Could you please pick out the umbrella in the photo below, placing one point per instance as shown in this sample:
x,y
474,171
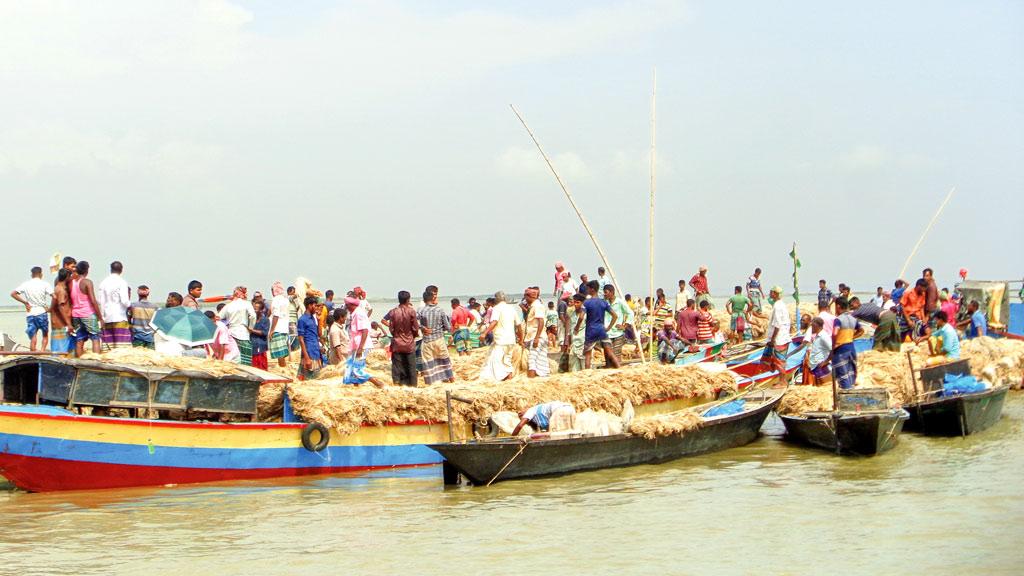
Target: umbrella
x,y
186,326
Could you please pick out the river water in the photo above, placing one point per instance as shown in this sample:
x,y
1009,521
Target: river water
x,y
930,506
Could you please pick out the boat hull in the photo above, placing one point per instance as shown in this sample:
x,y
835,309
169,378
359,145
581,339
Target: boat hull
x,y
44,448
958,415
864,434
481,462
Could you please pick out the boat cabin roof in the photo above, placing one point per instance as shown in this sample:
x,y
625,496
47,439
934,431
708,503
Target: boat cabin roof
x,y
61,381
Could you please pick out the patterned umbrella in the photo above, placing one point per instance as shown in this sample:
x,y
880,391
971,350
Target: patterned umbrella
x,y
187,326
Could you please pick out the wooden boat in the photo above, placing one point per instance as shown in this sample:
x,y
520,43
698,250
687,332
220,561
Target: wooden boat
x,y
491,460
703,354
956,415
959,415
47,443
858,433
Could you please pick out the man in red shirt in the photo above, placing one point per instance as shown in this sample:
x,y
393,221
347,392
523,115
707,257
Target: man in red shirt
x,y
404,326
686,321
461,318
913,304
699,283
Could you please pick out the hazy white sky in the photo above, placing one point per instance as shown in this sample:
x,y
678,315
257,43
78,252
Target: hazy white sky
x,y
372,143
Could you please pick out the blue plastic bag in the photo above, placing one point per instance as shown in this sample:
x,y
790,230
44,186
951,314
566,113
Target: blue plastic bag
x,y
955,384
355,371
727,409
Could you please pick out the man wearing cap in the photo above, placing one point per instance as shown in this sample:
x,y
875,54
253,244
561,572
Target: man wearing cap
x,y
240,317
141,314
778,336
559,279
363,302
699,284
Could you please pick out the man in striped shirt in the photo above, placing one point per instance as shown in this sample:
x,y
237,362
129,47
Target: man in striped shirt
x,y
704,319
140,315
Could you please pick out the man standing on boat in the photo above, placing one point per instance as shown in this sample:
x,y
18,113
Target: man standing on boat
x,y
754,291
240,318
684,295
779,336
597,332
404,325
699,283
844,354
504,322
36,295
536,338
825,296
686,322
434,323
617,331
115,299
141,314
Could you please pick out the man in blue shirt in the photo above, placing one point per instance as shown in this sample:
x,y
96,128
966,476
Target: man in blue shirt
x,y
309,341
950,346
596,332
976,324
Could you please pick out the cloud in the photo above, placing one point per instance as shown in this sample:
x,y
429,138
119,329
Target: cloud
x,y
522,161
66,40
862,158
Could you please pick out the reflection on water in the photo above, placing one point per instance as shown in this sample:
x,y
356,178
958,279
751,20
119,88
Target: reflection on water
x,y
932,505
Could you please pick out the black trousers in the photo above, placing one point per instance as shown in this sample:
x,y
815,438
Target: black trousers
x,y
403,368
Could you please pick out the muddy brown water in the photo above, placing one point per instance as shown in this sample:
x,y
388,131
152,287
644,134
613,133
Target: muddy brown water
x,y
931,506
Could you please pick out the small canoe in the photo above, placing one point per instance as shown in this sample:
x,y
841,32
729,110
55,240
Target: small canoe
x,y
704,354
491,460
959,415
857,433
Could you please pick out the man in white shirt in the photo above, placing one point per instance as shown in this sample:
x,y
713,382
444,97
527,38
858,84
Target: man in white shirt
x,y
504,325
778,336
279,311
240,318
536,339
36,295
879,298
683,295
114,298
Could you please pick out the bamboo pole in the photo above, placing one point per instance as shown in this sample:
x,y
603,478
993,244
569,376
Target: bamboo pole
x,y
650,236
572,202
925,233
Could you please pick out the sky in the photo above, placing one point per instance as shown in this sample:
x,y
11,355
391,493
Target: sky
x,y
372,143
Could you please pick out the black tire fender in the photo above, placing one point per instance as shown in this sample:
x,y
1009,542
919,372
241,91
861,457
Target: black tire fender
x,y
307,437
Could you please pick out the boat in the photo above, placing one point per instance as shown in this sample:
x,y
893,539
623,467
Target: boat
x,y
939,414
702,354
49,441
485,461
858,433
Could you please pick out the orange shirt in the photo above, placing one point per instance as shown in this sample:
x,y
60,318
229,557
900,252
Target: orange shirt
x,y
913,303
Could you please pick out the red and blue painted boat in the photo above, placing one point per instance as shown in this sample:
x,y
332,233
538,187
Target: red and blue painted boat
x,y
47,443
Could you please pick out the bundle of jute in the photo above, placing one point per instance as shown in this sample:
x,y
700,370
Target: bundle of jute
x,y
670,424
145,358
996,360
800,399
345,408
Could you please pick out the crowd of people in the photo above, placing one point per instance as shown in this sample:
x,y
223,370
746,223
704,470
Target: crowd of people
x,y
584,317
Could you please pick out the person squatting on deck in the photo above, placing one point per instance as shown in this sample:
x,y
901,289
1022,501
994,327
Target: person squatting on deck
x,y
551,417
816,369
